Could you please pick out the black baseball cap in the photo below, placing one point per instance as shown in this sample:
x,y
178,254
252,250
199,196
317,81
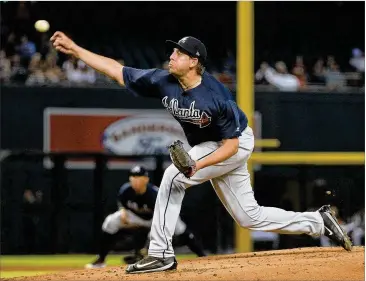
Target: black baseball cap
x,y
191,46
138,171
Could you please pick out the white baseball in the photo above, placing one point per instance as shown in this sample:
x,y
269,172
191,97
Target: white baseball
x,y
42,25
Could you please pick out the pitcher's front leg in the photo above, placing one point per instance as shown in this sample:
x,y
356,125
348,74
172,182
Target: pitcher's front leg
x,y
166,213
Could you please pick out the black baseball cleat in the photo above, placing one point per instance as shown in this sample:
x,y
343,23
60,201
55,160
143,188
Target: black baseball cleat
x,y
152,264
333,230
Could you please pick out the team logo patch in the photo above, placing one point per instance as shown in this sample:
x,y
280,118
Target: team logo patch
x,y
190,115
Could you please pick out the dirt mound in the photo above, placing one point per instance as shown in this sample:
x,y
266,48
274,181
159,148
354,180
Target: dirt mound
x,y
295,264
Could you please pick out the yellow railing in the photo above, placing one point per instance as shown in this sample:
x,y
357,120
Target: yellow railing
x,y
308,158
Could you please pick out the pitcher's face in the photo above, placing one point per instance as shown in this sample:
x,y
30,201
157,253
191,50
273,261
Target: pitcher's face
x,y
181,63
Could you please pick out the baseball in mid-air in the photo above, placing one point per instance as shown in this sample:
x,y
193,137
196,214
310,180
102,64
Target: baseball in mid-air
x,y
42,25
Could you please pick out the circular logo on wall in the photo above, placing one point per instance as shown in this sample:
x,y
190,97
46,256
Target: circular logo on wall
x,y
142,135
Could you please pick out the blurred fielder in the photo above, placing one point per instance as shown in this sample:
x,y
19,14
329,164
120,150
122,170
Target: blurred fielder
x,y
136,201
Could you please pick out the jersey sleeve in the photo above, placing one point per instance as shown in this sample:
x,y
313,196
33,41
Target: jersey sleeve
x,y
228,121
141,82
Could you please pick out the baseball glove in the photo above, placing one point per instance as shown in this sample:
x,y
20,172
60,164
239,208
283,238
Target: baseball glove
x,y
181,159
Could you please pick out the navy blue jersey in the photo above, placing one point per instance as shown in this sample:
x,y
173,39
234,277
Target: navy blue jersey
x,y
140,204
207,112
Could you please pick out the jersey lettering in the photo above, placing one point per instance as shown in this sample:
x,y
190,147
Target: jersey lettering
x,y
134,206
191,114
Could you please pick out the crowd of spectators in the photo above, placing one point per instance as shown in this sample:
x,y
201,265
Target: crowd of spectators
x,y
324,72
22,63
27,58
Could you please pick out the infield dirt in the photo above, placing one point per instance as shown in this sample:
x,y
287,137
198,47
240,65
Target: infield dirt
x,y
295,264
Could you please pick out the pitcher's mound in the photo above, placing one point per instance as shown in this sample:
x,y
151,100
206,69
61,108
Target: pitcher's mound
x,y
295,264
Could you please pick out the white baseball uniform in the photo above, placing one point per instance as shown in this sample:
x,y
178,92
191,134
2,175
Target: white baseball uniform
x,y
231,181
208,114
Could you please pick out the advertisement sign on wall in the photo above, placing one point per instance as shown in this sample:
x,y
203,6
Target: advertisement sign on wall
x,y
119,131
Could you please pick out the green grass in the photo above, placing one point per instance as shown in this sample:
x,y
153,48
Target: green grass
x,y
12,274
63,260
44,261
54,260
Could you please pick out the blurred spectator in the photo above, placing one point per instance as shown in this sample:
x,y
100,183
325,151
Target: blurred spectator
x,y
227,77
53,72
299,71
356,227
78,72
72,72
10,45
334,79
35,62
280,78
5,67
36,75
299,62
26,49
358,60
87,74
228,74
18,72
319,71
330,61
301,76
69,66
